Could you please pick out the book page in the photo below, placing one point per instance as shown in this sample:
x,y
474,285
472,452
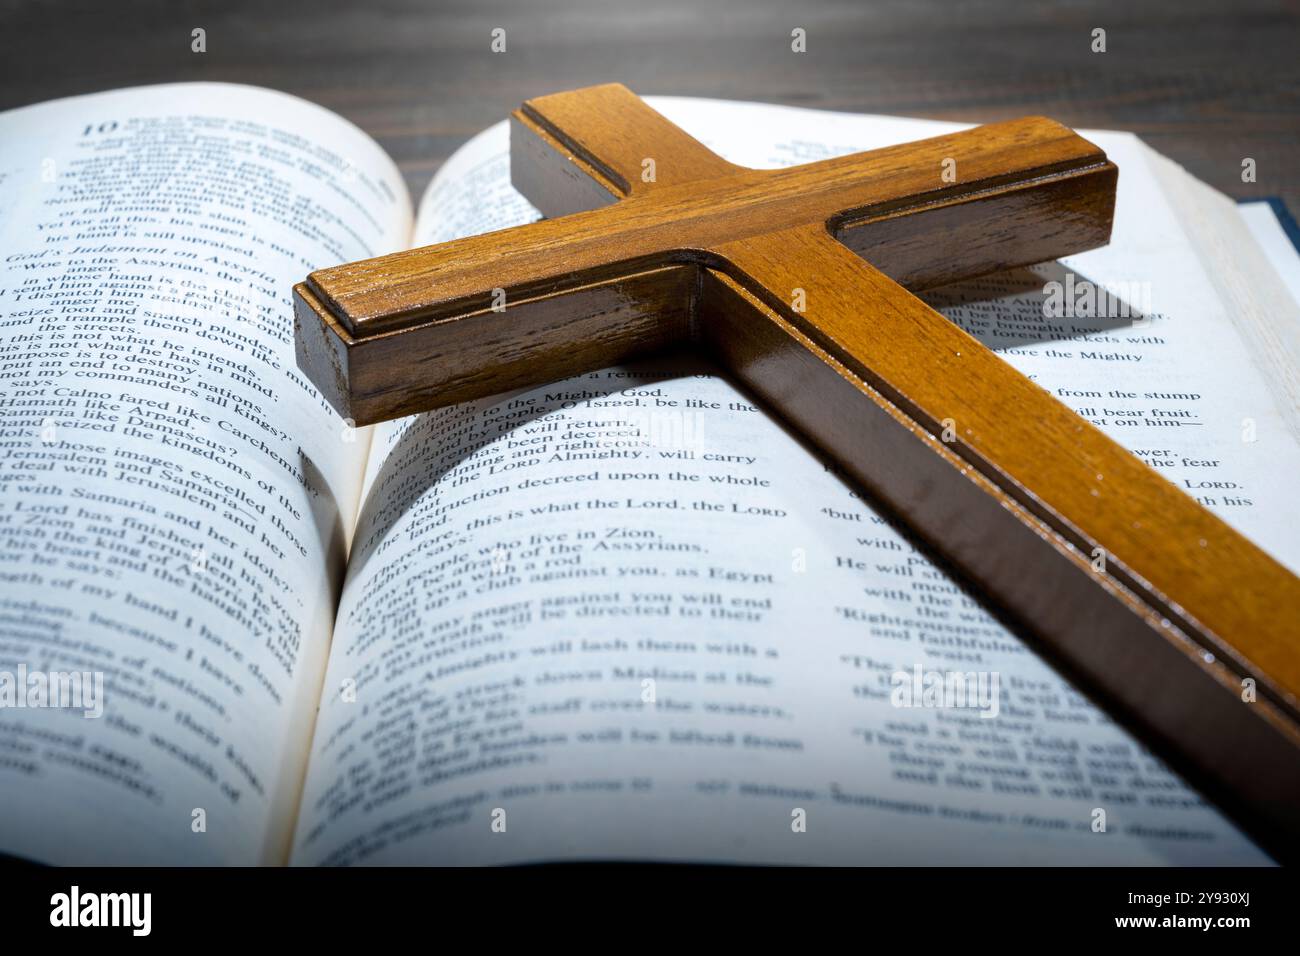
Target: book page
x,y
174,496
1262,221
630,616
1258,294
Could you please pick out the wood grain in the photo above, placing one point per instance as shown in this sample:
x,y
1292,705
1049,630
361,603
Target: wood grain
x,y
759,267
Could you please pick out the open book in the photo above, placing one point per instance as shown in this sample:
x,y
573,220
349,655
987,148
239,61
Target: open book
x,y
625,616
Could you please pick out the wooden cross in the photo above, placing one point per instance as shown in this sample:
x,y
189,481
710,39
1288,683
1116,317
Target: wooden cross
x,y
799,282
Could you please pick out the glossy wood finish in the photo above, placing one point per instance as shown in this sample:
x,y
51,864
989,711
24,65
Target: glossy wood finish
x,y
760,268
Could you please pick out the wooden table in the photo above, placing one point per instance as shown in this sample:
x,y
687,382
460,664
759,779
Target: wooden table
x,y
1203,81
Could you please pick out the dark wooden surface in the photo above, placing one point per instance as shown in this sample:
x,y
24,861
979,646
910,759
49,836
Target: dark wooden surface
x,y
1207,82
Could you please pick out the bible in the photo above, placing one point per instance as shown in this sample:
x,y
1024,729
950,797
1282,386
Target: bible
x,y
624,616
